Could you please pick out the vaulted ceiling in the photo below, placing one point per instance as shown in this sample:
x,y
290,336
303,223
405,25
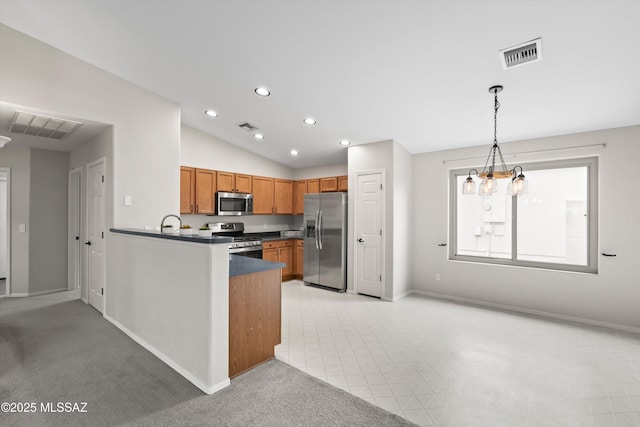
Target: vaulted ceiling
x,y
414,71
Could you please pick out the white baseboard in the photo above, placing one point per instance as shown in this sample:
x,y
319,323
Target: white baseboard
x,y
35,294
399,297
616,326
208,389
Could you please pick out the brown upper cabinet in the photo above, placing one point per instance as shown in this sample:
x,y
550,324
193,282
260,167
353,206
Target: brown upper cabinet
x,y
197,190
283,197
271,196
343,183
313,186
187,190
263,191
233,182
205,191
329,184
299,190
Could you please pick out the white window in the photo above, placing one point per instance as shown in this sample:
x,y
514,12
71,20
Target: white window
x,y
553,225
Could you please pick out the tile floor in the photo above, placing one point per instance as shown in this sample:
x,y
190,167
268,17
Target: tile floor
x,y
443,363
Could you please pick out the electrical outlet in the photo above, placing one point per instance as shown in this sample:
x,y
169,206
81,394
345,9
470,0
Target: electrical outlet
x,y
437,276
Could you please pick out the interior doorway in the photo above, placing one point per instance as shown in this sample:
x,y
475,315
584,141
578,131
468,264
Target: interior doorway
x,y
5,232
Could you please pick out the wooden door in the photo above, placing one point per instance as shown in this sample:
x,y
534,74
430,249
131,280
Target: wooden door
x,y
299,190
243,183
283,197
286,255
205,191
270,254
313,186
226,182
187,190
329,184
263,193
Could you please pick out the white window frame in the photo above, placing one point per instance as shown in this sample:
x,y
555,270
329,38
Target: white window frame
x,y
591,163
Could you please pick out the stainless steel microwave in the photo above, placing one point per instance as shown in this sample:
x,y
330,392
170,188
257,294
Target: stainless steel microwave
x,y
234,203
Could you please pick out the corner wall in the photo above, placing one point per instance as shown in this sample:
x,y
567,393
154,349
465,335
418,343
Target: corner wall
x,y
18,160
146,126
48,217
609,297
395,161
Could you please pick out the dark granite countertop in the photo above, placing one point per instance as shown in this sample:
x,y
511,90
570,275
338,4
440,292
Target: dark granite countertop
x,y
239,265
175,236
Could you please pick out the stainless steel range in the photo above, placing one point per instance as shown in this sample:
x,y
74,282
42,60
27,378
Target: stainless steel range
x,y
249,246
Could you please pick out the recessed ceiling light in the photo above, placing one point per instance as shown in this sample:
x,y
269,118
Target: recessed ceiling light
x,y
294,152
344,142
262,91
211,113
258,136
310,121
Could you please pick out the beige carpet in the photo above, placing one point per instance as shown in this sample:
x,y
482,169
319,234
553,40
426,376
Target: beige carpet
x,y
64,351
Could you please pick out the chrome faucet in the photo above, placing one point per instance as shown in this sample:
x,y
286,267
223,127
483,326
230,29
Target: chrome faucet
x,y
167,216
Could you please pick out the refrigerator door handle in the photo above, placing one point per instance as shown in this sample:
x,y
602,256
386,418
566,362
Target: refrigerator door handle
x,y
317,229
321,232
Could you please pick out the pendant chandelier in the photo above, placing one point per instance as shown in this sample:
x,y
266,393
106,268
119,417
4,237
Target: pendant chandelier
x,y
489,173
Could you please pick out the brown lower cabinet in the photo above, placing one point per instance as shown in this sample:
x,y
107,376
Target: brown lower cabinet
x,y
281,251
254,319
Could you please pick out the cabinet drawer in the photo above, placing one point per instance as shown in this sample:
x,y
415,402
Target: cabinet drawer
x,y
285,243
300,243
269,245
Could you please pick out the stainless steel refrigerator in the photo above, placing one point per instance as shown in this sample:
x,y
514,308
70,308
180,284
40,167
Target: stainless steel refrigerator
x,y
325,240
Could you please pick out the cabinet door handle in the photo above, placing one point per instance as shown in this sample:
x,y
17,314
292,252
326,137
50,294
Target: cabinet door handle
x,y
197,209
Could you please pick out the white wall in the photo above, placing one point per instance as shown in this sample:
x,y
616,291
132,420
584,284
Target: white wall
x,y
200,150
321,171
145,125
402,220
48,216
18,159
609,297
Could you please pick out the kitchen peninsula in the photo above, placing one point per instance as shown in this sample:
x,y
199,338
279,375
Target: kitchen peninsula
x,y
174,299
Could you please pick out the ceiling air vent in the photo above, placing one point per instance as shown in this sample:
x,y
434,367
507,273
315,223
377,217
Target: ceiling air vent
x,y
44,126
523,53
247,126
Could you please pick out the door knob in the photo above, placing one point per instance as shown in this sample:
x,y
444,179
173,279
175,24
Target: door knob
x,y
360,241
88,243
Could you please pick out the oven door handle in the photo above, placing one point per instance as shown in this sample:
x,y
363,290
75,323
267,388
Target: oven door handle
x,y
245,249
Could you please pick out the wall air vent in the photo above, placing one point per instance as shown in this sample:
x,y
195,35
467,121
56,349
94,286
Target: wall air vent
x,y
523,53
247,126
43,126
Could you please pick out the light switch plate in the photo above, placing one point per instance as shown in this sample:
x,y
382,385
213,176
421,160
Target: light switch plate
x,y
22,228
127,200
